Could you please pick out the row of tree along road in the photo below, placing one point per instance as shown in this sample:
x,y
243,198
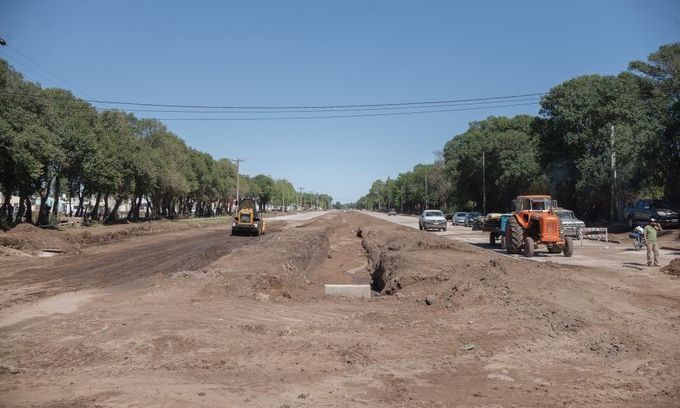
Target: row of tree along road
x,y
599,142
54,144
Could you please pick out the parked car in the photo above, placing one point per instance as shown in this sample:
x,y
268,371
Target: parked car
x,y
471,217
392,212
570,224
432,219
458,218
665,213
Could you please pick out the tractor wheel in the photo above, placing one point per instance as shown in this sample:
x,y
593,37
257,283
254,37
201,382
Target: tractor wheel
x,y
503,246
528,247
554,249
492,239
568,246
514,236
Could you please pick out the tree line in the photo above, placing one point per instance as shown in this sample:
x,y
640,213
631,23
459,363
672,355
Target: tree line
x,y
53,143
599,142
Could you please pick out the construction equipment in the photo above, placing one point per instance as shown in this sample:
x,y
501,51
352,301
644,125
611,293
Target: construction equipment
x,y
495,224
533,223
248,219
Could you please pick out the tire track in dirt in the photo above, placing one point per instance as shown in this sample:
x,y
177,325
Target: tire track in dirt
x,y
120,262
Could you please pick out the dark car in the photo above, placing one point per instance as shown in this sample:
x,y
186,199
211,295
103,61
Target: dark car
x,y
471,217
664,212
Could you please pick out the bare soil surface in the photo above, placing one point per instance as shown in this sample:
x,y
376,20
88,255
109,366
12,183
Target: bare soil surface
x,y
199,318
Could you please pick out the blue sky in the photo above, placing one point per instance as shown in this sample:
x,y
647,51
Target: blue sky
x,y
283,53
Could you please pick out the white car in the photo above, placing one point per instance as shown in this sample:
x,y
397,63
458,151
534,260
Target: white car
x,y
432,219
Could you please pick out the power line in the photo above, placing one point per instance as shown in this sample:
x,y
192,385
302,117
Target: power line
x,y
412,104
348,116
45,69
488,102
38,75
533,99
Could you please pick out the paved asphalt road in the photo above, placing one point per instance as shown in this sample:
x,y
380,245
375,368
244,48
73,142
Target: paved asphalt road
x,y
586,252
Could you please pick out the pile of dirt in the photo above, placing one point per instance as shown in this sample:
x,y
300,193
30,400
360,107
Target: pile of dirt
x,y
429,270
106,234
416,263
272,266
31,239
672,268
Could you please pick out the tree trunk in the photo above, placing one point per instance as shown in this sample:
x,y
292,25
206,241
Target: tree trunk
x,y
148,205
7,211
43,213
113,215
106,206
131,211
57,190
139,205
95,211
81,197
29,208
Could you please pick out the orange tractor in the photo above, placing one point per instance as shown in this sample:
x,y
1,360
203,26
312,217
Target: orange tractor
x,y
533,223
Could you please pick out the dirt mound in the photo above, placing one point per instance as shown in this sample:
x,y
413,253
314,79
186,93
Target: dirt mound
x,y
271,266
29,238
405,260
672,268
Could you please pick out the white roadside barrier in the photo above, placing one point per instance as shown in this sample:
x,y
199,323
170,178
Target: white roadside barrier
x,y
362,291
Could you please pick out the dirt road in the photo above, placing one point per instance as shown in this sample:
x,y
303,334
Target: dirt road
x,y
243,322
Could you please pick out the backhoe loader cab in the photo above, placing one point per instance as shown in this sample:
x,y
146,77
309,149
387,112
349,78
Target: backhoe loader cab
x,y
248,219
533,223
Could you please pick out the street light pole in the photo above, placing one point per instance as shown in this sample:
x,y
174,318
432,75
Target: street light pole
x,y
612,210
238,162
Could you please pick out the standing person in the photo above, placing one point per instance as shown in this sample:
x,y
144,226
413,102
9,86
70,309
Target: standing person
x,y
650,241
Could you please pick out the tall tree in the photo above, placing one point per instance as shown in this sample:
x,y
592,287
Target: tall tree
x,y
660,86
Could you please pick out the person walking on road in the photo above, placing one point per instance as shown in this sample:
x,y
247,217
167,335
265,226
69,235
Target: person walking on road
x,y
650,241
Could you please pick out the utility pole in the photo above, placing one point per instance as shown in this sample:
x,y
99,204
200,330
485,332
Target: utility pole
x,y
302,197
483,184
612,211
238,162
425,193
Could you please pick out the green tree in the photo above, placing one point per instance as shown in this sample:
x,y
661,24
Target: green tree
x,y
660,87
576,140
498,153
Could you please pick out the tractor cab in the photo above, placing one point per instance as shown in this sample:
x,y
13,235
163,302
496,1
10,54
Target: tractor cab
x,y
533,203
526,207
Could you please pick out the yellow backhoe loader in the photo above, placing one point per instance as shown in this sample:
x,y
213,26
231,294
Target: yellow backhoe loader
x,y
248,219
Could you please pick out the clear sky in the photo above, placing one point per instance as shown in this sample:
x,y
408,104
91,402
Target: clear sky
x,y
291,53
